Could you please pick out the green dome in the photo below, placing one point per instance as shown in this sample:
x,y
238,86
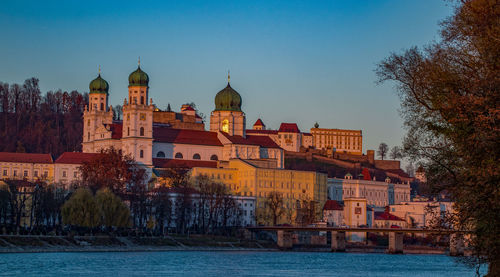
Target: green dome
x,y
228,99
138,78
99,85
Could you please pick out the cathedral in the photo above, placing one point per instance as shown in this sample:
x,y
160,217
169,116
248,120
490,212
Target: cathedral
x,y
157,138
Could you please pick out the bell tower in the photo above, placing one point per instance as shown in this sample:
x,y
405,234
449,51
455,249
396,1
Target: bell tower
x,y
137,130
228,116
97,113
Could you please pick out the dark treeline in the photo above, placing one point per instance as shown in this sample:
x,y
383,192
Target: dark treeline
x,y
35,123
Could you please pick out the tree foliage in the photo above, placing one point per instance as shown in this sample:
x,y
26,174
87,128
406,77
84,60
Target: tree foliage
x,y
382,150
113,212
81,209
450,100
35,123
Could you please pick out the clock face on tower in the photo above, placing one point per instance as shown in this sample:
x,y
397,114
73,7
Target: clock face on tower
x,y
225,126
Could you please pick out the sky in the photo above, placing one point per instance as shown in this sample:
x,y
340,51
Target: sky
x,y
291,61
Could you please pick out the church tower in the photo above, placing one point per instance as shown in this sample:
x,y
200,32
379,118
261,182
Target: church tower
x,y
227,116
96,114
137,130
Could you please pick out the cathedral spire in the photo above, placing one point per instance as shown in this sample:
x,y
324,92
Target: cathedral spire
x,y
99,70
228,77
139,62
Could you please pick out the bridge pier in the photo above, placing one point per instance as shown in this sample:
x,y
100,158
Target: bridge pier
x,y
338,241
457,246
395,243
285,240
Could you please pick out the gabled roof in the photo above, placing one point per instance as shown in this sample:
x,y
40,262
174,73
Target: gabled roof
x,y
183,136
270,132
289,128
259,123
178,163
25,157
75,157
332,205
386,216
262,141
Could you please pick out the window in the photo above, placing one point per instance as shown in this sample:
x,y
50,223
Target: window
x,y
128,131
102,106
45,173
64,174
5,172
15,173
178,155
225,126
75,174
35,173
142,131
160,154
141,154
214,158
88,136
142,100
25,173
88,122
196,156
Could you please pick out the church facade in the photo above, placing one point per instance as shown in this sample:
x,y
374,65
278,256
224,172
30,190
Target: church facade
x,y
152,136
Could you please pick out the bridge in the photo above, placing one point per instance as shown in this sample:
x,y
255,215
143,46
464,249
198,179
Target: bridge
x,y
338,236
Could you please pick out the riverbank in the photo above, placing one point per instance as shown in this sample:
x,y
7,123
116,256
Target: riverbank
x,y
40,244
35,244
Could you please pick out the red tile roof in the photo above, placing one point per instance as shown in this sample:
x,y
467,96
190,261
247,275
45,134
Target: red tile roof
x,y
387,216
187,108
270,132
262,141
116,130
182,136
399,172
25,157
259,123
289,128
177,163
307,134
75,157
332,205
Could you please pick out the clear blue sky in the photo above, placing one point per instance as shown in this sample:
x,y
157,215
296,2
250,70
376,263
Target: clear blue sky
x,y
291,61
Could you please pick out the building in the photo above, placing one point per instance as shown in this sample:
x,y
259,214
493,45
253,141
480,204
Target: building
x,y
341,141
251,178
288,136
421,214
376,193
147,132
333,213
26,166
388,220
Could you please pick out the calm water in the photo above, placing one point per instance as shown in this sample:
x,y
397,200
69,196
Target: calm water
x,y
222,263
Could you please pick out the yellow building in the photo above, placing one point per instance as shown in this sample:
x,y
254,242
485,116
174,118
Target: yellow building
x,y
252,178
343,141
26,166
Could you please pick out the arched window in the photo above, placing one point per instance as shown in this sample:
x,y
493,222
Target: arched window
x,y
141,154
128,131
142,131
88,136
214,158
102,106
196,156
142,100
178,155
160,154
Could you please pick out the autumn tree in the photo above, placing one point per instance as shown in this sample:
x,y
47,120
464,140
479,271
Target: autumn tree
x,y
178,179
382,150
450,99
113,170
275,206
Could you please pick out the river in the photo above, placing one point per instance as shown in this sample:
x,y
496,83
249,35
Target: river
x,y
228,263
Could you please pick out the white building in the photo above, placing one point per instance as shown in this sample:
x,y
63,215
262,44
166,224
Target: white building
x,y
376,193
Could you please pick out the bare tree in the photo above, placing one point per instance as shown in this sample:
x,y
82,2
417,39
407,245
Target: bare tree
x,y
396,153
274,204
382,150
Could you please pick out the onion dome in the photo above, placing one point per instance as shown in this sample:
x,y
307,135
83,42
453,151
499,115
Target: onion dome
x,y
99,85
138,78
